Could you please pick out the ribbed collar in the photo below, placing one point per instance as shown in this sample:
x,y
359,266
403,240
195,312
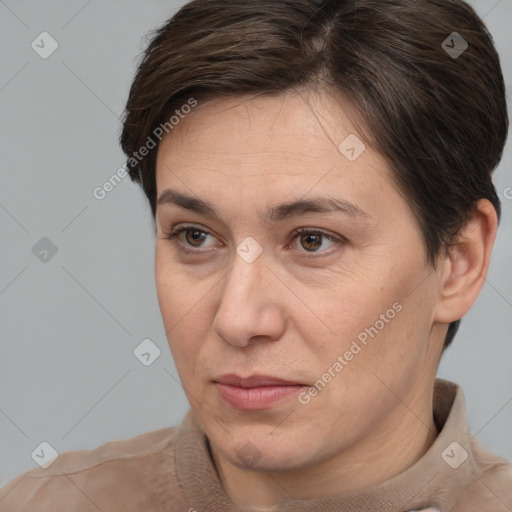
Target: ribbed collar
x,y
430,482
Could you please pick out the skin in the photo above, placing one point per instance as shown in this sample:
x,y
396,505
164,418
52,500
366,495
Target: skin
x,y
288,316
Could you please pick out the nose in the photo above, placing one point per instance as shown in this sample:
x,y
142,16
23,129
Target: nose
x,y
249,307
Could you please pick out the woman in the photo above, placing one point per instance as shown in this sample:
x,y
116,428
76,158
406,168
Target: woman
x,y
319,175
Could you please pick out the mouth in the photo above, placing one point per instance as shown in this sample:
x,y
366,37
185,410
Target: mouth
x,y
255,392
255,381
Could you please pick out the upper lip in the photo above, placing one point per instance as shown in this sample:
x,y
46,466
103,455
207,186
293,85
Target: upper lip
x,y
254,381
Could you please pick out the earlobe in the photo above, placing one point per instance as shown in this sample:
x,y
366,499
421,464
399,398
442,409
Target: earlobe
x,y
466,264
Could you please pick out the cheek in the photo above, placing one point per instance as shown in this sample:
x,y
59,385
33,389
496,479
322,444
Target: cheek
x,y
180,292
183,306
167,286
356,302
393,342
374,317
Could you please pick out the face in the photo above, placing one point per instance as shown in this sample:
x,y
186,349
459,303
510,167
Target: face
x,y
338,300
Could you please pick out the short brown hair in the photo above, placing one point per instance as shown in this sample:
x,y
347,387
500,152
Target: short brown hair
x,y
439,118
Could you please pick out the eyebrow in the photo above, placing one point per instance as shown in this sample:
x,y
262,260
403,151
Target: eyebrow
x,y
320,204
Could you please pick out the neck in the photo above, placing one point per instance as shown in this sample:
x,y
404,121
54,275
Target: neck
x,y
392,447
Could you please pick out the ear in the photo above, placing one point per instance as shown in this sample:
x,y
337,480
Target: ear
x,y
465,267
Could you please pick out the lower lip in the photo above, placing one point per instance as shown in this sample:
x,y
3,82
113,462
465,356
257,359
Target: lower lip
x,y
251,399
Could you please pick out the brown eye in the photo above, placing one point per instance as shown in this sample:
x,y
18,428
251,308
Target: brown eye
x,y
311,240
194,237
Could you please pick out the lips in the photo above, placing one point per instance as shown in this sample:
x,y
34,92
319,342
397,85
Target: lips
x,y
254,381
255,392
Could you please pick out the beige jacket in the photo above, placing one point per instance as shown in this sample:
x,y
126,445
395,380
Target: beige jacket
x,y
171,470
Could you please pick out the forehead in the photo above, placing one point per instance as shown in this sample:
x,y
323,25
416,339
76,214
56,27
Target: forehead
x,y
250,131
284,147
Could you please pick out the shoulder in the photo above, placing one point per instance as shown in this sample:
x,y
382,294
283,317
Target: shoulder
x,y
126,473
491,488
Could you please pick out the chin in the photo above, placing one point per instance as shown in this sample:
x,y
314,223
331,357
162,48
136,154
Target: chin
x,y
259,453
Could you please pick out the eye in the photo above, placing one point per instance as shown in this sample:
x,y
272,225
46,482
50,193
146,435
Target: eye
x,y
311,240
194,237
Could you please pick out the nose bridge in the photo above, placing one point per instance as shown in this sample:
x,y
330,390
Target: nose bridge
x,y
248,268
247,308
241,288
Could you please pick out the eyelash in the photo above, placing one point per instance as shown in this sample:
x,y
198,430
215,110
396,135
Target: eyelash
x,y
173,238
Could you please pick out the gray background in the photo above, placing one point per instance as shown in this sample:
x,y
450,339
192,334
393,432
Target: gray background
x,y
69,326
